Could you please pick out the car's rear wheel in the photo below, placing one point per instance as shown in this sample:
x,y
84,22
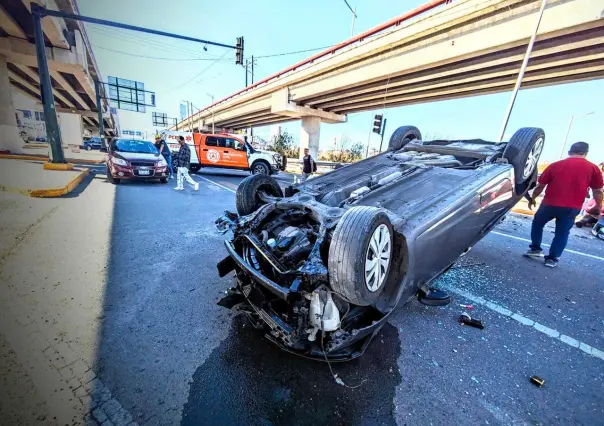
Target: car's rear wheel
x,y
360,255
110,177
402,136
247,198
523,152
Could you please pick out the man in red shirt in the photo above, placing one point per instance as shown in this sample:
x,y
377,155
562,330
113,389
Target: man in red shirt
x,y
567,182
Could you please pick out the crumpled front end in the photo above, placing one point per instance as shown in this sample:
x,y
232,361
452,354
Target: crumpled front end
x,y
279,256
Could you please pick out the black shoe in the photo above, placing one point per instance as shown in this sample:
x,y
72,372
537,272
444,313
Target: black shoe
x,y
534,254
550,263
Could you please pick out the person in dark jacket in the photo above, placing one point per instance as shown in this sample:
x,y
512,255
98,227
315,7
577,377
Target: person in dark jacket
x,y
183,160
308,165
164,150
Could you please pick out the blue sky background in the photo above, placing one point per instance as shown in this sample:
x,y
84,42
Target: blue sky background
x,y
271,27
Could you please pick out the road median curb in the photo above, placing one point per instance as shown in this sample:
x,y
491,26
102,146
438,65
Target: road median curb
x,y
44,158
48,192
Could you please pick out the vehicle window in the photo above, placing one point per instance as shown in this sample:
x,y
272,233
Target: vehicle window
x,y
211,141
127,145
223,143
238,145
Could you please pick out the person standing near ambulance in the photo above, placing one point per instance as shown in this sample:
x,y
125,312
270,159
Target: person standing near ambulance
x,y
164,150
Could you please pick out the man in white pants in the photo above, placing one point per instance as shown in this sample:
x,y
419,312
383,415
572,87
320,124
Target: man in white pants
x,y
183,159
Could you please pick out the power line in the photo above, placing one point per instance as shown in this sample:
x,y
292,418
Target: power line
x,y
293,53
123,35
154,57
197,75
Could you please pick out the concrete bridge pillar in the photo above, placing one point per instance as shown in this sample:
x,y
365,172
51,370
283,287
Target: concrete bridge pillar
x,y
9,132
309,136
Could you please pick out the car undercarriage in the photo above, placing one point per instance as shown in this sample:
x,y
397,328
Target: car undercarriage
x,y
320,267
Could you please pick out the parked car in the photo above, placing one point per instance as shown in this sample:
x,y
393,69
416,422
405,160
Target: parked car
x,y
135,159
227,152
95,142
321,266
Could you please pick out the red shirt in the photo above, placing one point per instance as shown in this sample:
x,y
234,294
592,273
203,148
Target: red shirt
x,y
568,180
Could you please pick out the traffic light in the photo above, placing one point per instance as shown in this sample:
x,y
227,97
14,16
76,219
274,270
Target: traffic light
x,y
377,124
239,51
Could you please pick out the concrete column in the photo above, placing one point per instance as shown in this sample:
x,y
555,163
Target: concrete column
x,y
72,129
309,136
9,132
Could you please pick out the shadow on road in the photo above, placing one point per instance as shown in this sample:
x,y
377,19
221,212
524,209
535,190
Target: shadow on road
x,y
248,380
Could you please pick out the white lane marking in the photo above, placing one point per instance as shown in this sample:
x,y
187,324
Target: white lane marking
x,y
547,245
554,334
216,183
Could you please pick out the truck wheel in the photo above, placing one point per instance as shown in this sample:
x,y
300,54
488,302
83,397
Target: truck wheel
x,y
194,168
360,255
247,200
402,136
260,168
523,152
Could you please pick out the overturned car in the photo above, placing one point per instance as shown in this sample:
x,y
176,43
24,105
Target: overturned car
x,y
321,266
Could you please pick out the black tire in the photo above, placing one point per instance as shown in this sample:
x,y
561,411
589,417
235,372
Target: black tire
x,y
111,179
528,141
88,148
164,180
261,168
348,254
194,168
402,136
247,200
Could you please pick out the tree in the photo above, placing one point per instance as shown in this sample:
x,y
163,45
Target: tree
x,y
284,144
344,152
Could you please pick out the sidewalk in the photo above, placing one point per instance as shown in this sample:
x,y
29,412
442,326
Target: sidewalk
x,y
29,178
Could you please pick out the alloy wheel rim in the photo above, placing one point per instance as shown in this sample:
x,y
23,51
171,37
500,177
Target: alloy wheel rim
x,y
377,258
259,170
533,158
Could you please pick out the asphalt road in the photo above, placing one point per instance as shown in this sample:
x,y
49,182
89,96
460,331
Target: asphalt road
x,y
146,319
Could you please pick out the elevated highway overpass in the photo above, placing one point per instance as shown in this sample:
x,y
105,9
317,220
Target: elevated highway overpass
x,y
436,52
71,61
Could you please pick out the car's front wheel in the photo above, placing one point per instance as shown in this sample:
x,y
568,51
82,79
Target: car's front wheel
x,y
261,168
110,177
360,255
247,199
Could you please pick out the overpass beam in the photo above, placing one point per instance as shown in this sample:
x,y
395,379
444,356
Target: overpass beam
x,y
9,132
281,105
309,136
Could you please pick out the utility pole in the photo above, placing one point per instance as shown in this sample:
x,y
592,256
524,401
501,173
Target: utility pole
x,y
245,66
48,101
525,61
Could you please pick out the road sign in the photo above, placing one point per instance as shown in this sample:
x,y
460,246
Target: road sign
x,y
129,95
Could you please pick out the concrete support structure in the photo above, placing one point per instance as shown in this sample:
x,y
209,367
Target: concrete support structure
x,y
310,134
71,128
9,132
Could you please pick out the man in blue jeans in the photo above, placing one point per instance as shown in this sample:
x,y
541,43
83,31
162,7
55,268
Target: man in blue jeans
x,y
566,183
164,150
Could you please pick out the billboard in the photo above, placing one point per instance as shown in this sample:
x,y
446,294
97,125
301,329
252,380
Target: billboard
x,y
129,95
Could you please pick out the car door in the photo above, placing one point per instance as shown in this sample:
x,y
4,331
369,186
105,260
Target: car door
x,y
210,152
233,153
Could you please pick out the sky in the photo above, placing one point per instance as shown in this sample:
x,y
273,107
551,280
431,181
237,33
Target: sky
x,y
185,71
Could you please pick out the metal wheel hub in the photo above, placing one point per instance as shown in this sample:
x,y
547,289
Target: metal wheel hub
x,y
259,169
533,159
377,258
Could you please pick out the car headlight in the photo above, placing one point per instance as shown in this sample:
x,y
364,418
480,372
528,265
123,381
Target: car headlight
x,y
162,163
119,161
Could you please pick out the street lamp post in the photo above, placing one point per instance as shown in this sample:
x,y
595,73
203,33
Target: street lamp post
x,y
570,123
212,97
